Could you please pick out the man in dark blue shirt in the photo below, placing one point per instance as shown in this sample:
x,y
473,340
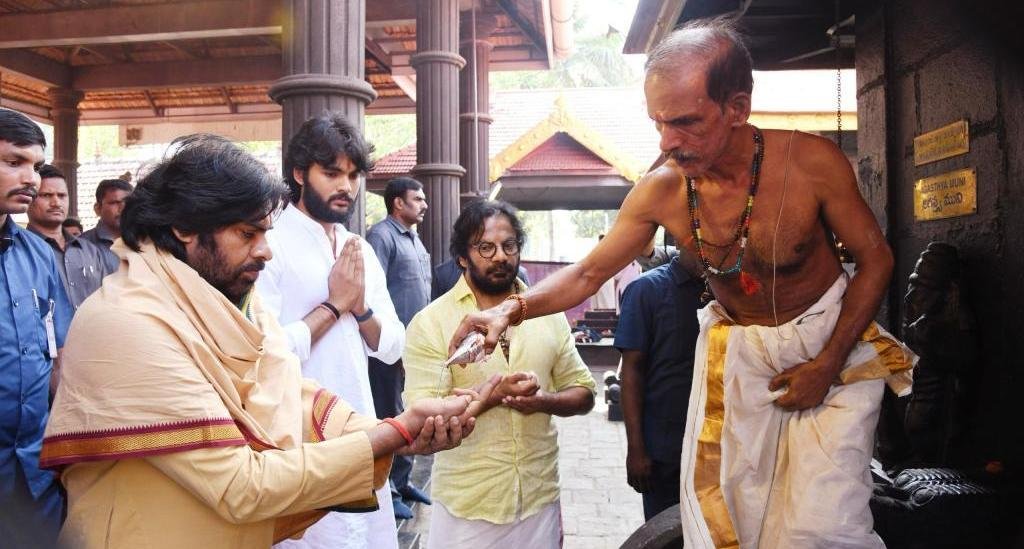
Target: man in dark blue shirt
x,y
657,333
34,317
82,265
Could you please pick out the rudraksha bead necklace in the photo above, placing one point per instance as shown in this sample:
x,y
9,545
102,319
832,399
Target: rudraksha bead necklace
x,y
742,233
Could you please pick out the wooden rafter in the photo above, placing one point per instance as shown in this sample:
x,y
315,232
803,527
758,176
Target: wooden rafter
x,y
180,49
152,104
377,52
528,29
232,107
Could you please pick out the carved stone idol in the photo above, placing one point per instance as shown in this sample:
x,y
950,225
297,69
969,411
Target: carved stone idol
x,y
940,328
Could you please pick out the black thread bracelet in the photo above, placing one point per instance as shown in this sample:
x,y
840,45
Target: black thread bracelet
x,y
334,310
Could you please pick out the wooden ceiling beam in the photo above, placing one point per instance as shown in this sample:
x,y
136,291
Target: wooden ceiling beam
x,y
374,50
524,24
118,24
94,51
36,67
173,74
396,10
180,49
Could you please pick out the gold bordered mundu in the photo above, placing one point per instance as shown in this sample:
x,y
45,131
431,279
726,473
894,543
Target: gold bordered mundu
x,y
945,195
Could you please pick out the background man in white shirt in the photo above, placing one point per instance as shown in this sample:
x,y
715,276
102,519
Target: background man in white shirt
x,y
330,294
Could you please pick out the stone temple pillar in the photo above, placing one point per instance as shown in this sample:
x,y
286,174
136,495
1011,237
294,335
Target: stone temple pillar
x,y
65,114
474,104
324,49
437,65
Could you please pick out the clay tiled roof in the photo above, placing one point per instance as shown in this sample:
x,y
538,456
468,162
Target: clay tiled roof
x,y
562,153
617,115
396,163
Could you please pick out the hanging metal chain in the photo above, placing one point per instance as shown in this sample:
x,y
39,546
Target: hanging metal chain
x,y
837,43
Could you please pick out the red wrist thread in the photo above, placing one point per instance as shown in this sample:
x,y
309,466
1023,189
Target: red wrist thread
x,y
400,428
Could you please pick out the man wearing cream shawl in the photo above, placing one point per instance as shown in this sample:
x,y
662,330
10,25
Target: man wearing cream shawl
x,y
181,420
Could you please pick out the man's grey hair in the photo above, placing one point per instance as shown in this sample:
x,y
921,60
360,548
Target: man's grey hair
x,y
719,44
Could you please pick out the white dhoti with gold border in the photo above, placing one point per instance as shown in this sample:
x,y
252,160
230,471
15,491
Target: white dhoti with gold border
x,y
754,475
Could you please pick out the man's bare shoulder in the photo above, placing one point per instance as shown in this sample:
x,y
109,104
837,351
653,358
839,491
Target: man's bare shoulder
x,y
656,184
812,153
665,176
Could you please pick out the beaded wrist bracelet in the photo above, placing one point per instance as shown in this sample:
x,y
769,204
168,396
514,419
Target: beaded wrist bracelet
x,y
522,309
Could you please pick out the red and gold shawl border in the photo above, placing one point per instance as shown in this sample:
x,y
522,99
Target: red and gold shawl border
x,y
132,442
323,404
254,442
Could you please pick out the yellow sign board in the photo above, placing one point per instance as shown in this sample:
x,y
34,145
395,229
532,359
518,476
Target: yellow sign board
x,y
950,194
944,142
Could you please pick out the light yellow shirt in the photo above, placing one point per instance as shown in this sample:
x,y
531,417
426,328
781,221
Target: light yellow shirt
x,y
508,468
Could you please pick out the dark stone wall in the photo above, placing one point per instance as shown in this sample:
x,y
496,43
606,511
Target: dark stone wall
x,y
923,64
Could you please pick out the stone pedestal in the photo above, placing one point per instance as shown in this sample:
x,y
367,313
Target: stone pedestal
x,y
323,49
437,65
65,114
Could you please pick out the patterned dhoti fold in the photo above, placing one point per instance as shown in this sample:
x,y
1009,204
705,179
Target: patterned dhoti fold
x,y
754,475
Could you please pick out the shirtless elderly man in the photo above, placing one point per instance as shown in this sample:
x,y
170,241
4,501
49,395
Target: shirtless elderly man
x,y
789,368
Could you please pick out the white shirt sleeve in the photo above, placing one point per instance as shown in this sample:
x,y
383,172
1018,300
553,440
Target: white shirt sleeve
x,y
300,340
392,331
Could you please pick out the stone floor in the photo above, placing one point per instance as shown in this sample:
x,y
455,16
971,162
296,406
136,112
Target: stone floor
x,y
599,510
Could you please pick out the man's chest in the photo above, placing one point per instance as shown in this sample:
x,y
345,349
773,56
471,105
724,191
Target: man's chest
x,y
780,231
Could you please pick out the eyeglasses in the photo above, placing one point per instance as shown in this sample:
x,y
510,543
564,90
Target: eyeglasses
x,y
488,249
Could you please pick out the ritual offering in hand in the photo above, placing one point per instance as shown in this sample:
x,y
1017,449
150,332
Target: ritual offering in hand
x,y
471,349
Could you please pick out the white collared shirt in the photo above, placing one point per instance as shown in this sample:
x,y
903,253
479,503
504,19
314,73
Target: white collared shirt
x,y
293,283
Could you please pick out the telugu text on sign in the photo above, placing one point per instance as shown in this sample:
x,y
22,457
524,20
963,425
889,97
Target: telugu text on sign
x,y
942,143
950,194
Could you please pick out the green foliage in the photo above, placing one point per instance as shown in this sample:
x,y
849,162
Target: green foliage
x,y
597,59
390,132
375,211
593,223
99,142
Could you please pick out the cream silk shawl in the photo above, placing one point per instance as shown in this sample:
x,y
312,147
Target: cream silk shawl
x,y
122,407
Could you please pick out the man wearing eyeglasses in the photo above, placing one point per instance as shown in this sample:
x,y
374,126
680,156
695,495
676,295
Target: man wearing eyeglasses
x,y
500,489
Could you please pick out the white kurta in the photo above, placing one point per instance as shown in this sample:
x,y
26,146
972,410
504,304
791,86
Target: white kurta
x,y
291,286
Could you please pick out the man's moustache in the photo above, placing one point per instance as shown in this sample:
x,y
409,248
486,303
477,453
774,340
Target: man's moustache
x,y
255,267
340,196
681,156
27,191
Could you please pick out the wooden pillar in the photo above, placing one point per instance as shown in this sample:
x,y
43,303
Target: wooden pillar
x,y
324,50
474,103
65,114
437,63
